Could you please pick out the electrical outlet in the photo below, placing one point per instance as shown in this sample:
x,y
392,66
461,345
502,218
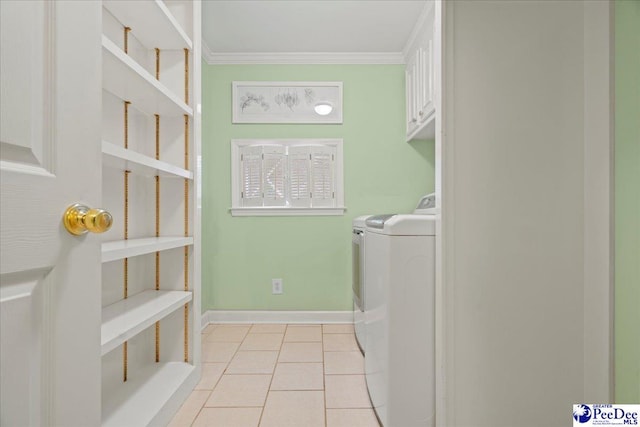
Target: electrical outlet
x,y
276,286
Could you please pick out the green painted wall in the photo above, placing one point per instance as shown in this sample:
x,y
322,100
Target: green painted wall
x,y
311,254
627,201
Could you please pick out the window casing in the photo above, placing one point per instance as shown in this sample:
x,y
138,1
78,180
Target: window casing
x,y
287,177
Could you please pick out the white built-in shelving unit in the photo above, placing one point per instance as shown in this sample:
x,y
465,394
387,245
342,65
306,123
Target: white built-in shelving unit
x,y
150,258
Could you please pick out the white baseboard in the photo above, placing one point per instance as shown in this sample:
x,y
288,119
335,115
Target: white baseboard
x,y
251,316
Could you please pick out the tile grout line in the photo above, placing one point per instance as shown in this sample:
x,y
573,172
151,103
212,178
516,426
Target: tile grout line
x,y
202,407
273,374
324,383
229,363
223,373
277,361
208,395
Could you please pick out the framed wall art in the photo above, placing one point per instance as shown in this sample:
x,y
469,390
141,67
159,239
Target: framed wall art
x,y
287,102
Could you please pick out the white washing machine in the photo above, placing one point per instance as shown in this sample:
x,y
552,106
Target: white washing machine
x,y
400,318
358,250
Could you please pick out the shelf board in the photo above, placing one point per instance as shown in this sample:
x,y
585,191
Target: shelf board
x,y
121,249
151,23
144,394
426,130
120,158
128,317
125,78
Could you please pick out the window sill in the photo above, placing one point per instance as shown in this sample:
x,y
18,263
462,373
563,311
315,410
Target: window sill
x,y
278,211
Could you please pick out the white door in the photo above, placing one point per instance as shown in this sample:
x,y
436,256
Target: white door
x,y
49,280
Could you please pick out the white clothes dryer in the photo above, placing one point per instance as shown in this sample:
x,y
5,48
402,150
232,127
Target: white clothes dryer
x,y
400,317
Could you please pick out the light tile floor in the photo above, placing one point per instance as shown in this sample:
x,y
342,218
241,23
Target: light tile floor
x,y
279,376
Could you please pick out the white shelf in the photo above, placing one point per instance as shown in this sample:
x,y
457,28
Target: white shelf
x,y
128,317
120,158
121,249
144,394
151,23
129,81
426,130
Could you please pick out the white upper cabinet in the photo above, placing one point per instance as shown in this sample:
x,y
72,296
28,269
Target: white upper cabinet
x,y
420,78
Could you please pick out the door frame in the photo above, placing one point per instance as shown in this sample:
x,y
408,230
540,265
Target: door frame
x,y
598,226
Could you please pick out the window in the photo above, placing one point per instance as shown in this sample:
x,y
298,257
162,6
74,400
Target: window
x,y
287,177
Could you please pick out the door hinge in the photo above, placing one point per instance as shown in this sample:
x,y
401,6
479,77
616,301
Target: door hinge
x,y
241,157
242,194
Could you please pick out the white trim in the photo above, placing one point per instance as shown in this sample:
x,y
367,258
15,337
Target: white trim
x,y
196,196
278,211
418,28
207,54
204,319
443,35
598,202
261,316
310,58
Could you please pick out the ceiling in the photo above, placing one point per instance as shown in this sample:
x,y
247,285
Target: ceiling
x,y
308,26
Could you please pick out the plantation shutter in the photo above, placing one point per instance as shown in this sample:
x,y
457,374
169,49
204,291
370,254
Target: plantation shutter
x,y
323,176
287,174
274,170
299,179
251,170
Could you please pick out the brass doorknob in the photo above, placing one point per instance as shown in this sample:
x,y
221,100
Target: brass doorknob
x,y
79,219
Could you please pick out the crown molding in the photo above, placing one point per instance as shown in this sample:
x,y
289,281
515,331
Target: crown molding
x,y
311,58
417,28
207,54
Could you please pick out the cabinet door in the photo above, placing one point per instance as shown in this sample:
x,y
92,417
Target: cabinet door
x,y
426,107
411,86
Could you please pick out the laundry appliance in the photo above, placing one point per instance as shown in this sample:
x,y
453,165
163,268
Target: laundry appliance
x,y
400,319
358,249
